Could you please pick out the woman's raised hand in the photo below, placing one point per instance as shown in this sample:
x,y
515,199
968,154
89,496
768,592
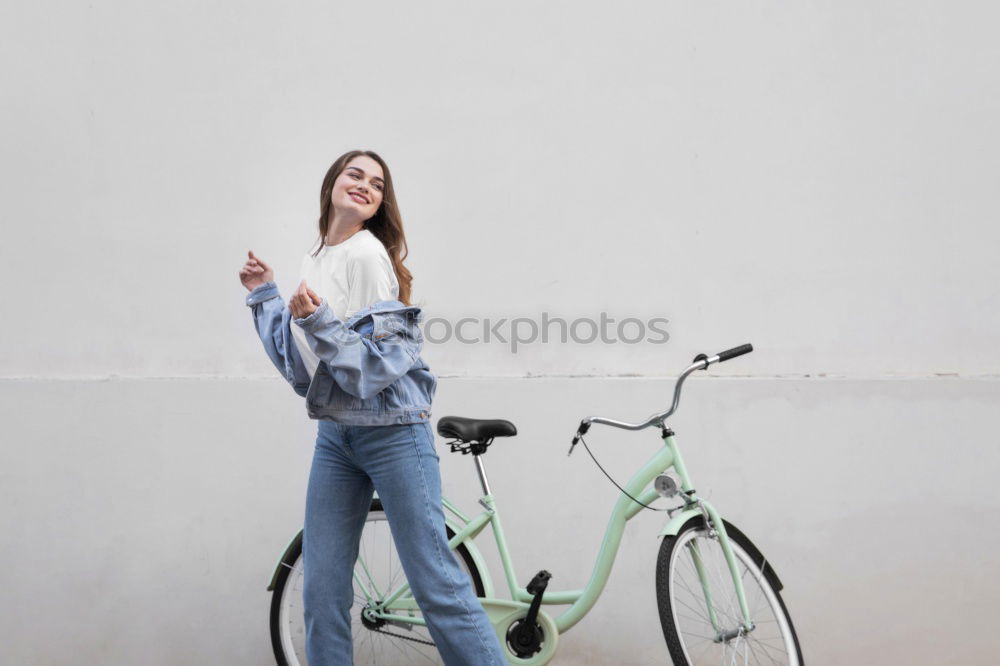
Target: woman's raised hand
x,y
255,272
304,301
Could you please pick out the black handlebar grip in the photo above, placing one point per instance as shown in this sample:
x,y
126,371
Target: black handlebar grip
x,y
734,352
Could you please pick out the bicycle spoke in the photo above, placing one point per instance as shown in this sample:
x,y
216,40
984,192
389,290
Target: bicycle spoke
x,y
764,645
702,616
735,649
379,572
399,649
768,648
708,647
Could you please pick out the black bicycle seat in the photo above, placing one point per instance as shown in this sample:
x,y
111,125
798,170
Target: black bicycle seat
x,y
474,430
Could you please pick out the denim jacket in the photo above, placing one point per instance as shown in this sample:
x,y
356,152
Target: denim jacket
x,y
370,370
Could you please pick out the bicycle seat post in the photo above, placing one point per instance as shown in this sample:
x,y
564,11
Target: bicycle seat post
x,y
482,474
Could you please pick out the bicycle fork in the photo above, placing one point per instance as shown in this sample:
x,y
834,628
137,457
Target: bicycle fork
x,y
717,530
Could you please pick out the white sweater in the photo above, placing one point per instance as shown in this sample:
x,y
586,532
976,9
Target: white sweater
x,y
349,276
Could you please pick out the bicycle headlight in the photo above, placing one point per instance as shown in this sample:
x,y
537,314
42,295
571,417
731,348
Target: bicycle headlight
x,y
665,486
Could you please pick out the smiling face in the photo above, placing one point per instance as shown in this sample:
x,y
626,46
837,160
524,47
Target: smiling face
x,y
359,187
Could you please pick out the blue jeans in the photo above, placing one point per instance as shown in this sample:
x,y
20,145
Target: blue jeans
x,y
398,461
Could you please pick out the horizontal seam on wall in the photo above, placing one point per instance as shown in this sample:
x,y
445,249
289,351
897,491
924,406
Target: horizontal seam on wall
x,y
822,377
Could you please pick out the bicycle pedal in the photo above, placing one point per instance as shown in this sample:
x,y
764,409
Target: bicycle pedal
x,y
539,583
525,636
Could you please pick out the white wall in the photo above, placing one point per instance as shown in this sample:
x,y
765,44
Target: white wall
x,y
817,179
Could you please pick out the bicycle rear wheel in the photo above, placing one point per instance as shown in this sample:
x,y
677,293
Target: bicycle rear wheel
x,y
686,610
377,558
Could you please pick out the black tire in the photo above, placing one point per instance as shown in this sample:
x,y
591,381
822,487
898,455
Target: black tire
x,y
759,575
291,561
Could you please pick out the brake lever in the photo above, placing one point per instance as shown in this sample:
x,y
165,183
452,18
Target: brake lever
x,y
580,432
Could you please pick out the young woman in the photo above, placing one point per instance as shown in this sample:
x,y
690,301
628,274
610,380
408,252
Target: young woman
x,y
351,348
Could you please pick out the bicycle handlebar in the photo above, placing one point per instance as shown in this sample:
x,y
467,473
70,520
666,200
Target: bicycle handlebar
x,y
734,352
701,362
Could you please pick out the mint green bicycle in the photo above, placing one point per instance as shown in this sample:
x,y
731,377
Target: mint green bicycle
x,y
718,597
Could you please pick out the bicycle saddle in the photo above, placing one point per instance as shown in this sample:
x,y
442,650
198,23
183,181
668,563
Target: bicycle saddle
x,y
470,430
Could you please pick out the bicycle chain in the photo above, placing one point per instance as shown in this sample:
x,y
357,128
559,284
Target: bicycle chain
x,y
405,638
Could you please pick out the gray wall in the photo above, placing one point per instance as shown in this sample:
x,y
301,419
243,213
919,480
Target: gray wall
x,y
817,179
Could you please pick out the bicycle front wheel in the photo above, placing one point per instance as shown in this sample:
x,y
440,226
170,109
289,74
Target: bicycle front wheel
x,y
378,563
700,612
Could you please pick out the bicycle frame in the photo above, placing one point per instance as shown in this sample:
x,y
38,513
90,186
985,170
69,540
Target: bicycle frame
x,y
580,601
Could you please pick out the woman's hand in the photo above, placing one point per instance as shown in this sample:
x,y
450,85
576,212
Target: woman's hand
x,y
304,301
255,272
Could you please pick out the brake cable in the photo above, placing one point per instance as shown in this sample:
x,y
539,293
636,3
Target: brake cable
x,y
615,482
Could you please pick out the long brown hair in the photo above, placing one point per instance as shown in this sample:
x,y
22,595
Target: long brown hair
x,y
386,224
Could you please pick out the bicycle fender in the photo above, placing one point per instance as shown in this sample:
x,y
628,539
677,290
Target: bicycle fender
x,y
673,528
294,544
474,552
477,557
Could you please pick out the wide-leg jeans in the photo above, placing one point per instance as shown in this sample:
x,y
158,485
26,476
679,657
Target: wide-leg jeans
x,y
400,463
